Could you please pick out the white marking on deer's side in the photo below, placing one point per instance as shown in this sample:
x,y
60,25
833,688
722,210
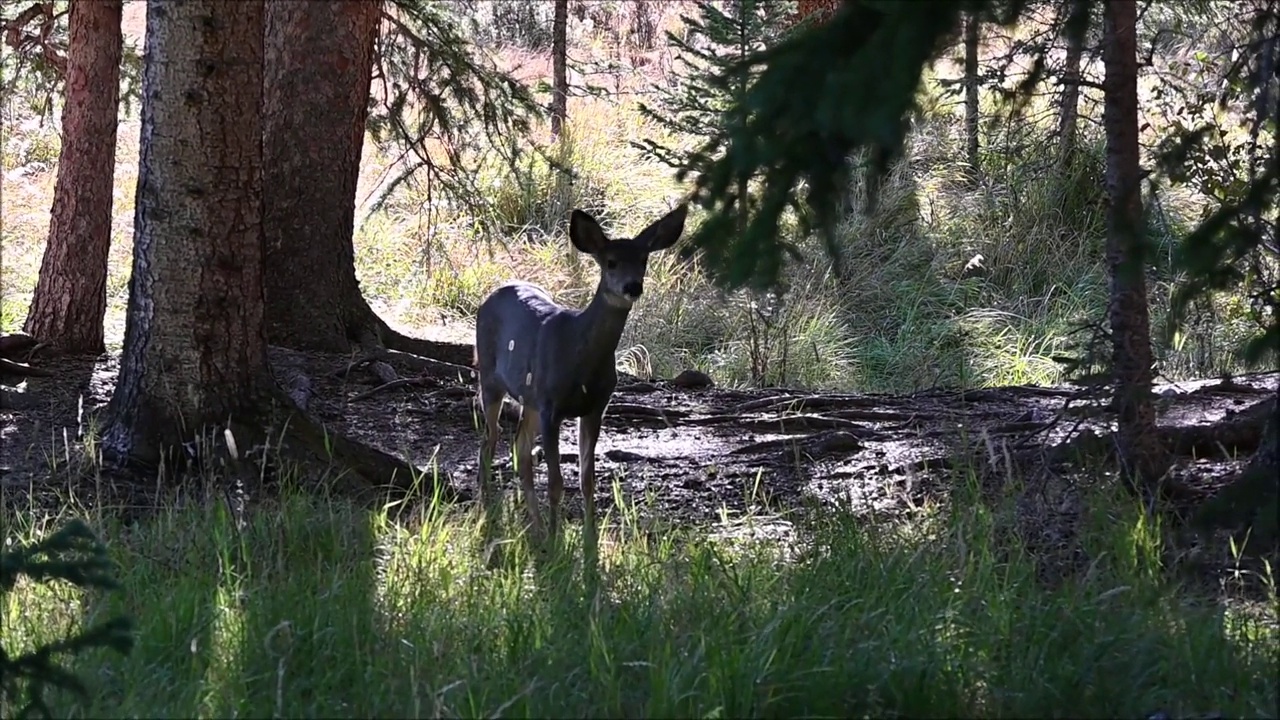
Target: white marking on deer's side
x,y
511,345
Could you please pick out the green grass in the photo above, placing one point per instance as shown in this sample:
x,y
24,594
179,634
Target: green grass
x,y
316,608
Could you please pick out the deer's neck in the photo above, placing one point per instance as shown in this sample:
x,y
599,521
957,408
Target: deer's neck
x,y
601,324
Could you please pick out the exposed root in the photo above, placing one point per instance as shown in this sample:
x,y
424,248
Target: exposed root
x,y
425,381
10,367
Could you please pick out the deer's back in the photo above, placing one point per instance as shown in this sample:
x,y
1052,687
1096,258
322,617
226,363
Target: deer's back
x,y
509,327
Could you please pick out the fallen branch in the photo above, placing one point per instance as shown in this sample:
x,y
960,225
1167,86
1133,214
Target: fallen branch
x,y
425,381
823,443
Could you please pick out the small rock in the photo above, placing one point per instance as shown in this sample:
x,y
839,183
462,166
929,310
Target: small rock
x,y
693,380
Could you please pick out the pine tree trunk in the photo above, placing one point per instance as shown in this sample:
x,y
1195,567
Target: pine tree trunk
x,y
559,67
71,293
1069,110
194,351
195,346
318,66
1141,454
971,92
319,59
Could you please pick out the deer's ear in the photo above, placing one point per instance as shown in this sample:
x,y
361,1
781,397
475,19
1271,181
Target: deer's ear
x,y
665,232
585,233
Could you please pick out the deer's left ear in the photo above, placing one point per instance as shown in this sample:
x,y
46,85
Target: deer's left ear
x,y
665,232
586,233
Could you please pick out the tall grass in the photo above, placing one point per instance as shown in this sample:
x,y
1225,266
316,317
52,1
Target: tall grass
x,y
311,607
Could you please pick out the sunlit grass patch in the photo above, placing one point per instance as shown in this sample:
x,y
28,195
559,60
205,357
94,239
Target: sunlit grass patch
x,y
307,606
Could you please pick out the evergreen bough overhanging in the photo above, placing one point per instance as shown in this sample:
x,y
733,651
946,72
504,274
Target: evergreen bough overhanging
x,y
844,88
75,555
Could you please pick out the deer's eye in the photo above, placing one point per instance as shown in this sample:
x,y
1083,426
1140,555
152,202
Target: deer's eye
x,y
611,263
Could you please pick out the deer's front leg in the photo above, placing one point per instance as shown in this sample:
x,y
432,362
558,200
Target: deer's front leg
x,y
551,452
588,433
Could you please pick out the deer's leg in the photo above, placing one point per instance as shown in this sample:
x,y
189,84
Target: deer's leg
x,y
588,433
551,453
491,408
524,465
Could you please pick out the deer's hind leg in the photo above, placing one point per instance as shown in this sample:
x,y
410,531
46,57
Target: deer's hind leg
x,y
524,465
490,407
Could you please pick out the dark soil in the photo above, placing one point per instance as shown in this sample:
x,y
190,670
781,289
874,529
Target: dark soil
x,y
685,454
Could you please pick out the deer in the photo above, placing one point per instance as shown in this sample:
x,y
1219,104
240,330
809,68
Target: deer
x,y
557,363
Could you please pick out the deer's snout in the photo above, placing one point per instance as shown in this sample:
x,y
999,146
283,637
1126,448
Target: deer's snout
x,y
633,289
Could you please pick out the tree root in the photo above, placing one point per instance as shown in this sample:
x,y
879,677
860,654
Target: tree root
x,y
829,442
425,381
10,367
18,345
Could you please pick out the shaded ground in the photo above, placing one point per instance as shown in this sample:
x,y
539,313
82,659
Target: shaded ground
x,y
687,453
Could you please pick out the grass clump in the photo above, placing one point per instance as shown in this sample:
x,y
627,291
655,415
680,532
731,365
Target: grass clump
x,y
311,607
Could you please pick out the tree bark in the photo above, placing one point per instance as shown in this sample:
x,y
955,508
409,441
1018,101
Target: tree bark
x,y
1068,111
1142,458
319,59
318,66
71,293
194,358
559,67
194,350
971,92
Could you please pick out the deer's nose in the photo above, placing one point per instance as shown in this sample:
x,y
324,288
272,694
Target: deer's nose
x,y
633,289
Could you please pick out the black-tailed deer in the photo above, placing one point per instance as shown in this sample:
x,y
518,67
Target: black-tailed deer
x,y
558,362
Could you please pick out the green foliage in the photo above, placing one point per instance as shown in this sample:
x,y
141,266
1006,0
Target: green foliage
x,y
440,103
74,555
315,608
714,42
1236,248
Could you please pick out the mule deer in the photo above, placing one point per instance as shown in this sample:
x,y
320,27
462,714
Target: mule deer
x,y
558,362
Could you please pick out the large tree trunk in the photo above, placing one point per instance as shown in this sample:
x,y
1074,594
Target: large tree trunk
x,y
71,293
559,67
971,91
195,343
319,60
194,351
1142,458
319,57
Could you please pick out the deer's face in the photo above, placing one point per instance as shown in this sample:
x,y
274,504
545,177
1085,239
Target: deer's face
x,y
623,263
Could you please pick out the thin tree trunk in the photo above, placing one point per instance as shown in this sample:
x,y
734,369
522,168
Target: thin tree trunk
x,y
1069,110
1141,455
71,292
194,350
971,91
559,67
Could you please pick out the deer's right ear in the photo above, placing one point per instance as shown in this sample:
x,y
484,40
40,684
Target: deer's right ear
x,y
585,233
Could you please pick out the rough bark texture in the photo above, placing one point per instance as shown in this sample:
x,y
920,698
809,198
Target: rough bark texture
x,y
1068,112
71,293
1141,456
319,60
971,91
194,350
319,57
195,343
559,67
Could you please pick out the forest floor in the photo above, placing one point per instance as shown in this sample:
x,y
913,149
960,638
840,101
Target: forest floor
x,y
699,455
